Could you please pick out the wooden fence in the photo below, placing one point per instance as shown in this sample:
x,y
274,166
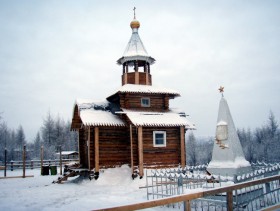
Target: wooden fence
x,y
31,164
229,192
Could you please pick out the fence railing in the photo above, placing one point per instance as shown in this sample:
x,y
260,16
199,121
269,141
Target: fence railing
x,y
270,197
31,164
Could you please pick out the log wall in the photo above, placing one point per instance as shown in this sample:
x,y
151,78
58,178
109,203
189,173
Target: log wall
x,y
115,144
162,156
83,148
159,103
158,156
76,120
137,78
114,147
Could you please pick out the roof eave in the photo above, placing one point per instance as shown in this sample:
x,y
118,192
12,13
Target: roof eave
x,y
124,59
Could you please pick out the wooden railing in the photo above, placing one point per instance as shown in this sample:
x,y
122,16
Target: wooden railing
x,y
31,164
187,198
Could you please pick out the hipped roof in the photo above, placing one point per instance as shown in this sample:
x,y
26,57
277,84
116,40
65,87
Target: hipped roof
x,y
135,50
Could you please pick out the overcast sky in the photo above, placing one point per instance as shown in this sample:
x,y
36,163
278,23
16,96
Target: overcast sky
x,y
52,52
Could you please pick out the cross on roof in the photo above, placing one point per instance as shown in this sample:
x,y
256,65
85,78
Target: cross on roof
x,y
134,12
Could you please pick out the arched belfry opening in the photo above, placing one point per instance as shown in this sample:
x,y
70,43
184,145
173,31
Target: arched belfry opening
x,y
135,60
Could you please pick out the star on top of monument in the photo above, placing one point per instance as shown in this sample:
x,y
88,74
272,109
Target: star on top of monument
x,y
221,89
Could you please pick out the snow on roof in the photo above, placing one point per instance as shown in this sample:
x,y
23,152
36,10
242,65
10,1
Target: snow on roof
x,y
161,119
237,163
135,46
134,88
135,50
220,123
99,113
67,152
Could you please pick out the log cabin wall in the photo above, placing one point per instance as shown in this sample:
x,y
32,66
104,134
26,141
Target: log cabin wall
x,y
137,78
162,156
76,120
92,149
158,102
83,148
135,146
114,147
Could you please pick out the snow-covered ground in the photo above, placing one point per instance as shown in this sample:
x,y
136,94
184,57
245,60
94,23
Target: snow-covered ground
x,y
114,187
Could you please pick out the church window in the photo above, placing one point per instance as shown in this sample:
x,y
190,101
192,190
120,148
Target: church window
x,y
159,138
145,102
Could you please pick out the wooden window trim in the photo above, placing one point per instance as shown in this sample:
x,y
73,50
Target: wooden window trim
x,y
144,104
164,138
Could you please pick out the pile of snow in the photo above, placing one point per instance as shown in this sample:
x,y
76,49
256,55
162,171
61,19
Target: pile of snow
x,y
237,163
113,188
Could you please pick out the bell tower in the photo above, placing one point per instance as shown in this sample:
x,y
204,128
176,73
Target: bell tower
x,y
135,60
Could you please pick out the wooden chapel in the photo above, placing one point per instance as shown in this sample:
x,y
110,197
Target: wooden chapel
x,y
134,125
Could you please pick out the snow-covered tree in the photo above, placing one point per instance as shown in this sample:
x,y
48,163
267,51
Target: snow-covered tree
x,y
191,150
48,136
20,138
37,146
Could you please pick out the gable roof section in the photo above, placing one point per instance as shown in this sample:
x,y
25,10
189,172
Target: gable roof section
x,y
158,119
144,89
100,113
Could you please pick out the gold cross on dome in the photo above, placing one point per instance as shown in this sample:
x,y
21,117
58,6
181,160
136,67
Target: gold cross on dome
x,y
221,89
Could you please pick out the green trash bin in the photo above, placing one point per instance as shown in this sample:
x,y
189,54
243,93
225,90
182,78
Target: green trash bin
x,y
53,170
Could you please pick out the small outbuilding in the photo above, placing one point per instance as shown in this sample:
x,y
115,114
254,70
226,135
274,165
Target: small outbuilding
x,y
134,125
68,155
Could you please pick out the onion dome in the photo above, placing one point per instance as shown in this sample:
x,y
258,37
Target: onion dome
x,y
134,24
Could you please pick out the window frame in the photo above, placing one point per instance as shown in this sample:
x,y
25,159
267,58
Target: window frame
x,y
145,105
164,138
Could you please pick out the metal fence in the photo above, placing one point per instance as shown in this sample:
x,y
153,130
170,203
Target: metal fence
x,y
169,182
201,199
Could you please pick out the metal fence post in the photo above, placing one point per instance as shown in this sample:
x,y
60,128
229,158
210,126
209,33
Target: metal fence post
x,y
60,159
23,161
267,187
12,165
42,157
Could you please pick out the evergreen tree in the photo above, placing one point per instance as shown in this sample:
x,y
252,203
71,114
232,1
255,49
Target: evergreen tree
x,y
3,139
272,125
12,146
191,150
37,146
20,142
48,136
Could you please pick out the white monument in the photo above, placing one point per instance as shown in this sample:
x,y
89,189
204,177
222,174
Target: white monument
x,y
227,157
